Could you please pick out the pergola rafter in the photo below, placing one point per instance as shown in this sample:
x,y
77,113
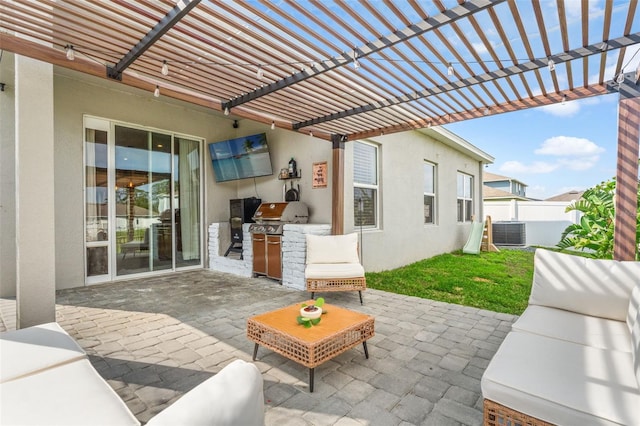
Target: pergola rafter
x,y
400,36
537,64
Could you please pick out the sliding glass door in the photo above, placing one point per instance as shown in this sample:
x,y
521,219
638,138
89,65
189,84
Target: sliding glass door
x,y
143,192
187,189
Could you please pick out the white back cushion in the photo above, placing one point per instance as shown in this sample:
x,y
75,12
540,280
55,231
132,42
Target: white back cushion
x,y
595,287
633,322
234,396
332,248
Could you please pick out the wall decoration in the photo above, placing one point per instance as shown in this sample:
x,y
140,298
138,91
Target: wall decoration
x,y
319,175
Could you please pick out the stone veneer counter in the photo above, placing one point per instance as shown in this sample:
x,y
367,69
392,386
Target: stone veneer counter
x,y
294,249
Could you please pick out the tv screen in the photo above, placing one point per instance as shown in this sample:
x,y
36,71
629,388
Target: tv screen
x,y
241,158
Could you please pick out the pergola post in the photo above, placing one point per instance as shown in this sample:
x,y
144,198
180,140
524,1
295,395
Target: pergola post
x,y
626,202
337,186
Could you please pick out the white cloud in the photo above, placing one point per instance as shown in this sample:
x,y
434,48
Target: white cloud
x,y
569,146
578,164
514,168
537,191
479,47
567,109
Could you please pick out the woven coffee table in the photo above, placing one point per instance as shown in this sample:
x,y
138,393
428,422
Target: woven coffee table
x,y
339,330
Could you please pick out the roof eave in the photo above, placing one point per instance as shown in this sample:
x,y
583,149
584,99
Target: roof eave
x,y
454,141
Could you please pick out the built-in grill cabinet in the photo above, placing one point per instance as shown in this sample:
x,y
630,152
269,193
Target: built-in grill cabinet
x,y
266,235
267,255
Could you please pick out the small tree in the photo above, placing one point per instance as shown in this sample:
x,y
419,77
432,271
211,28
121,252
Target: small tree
x,y
594,233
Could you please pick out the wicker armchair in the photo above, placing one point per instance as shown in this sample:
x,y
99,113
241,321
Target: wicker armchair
x,y
333,264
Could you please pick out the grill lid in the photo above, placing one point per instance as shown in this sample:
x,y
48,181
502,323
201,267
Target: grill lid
x,y
293,212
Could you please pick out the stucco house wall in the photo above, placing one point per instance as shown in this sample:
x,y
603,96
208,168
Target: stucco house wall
x,y
401,238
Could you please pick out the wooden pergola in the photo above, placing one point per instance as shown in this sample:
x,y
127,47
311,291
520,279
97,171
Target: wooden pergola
x,y
347,70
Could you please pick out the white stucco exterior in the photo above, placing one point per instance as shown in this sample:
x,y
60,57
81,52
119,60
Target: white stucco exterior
x,y
401,238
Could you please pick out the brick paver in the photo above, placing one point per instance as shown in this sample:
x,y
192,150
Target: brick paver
x,y
153,339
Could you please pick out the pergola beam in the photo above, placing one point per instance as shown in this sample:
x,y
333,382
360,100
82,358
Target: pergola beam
x,y
578,53
181,8
429,24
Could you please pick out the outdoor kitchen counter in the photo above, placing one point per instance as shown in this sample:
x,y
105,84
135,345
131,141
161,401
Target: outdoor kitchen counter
x,y
294,249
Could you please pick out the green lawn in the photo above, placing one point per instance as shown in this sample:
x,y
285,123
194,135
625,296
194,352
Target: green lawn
x,y
498,282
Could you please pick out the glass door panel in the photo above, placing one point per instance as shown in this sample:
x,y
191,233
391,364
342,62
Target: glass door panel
x,y
187,191
96,204
160,206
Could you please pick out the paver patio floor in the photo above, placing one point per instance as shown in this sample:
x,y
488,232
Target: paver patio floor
x,y
155,338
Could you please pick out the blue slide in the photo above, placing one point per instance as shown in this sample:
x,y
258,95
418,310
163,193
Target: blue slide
x,y
475,239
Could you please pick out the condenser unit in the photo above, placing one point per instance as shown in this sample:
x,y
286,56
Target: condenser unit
x,y
509,233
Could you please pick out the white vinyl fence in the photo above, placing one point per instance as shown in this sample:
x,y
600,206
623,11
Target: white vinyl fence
x,y
544,220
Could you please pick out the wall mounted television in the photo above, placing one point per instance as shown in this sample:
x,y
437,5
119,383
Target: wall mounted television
x,y
241,158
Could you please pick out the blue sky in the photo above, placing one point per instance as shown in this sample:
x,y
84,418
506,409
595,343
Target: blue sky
x,y
552,149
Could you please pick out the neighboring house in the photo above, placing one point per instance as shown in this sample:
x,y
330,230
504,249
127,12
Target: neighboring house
x,y
567,196
506,184
102,152
495,194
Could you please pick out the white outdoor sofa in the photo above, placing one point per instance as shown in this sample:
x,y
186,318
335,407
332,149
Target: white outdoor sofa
x,y
573,357
46,379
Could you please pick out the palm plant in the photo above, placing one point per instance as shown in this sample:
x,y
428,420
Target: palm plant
x,y
594,233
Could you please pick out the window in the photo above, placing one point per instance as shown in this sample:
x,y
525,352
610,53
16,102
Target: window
x,y
429,193
365,184
465,197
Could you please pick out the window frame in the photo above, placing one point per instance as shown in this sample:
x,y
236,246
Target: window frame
x,y
433,195
467,216
373,187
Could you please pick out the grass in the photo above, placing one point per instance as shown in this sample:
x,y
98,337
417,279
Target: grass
x,y
499,282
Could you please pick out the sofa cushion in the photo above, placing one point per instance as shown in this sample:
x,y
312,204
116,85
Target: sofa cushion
x,y
563,382
633,322
334,270
332,248
593,287
33,349
70,394
577,328
234,396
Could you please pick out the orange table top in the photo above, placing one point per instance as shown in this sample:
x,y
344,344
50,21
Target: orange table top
x,y
334,320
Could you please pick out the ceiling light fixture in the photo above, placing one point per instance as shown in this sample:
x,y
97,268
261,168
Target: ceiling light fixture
x,y
71,54
310,134
165,68
260,72
156,92
620,78
564,99
551,65
450,70
273,125
226,110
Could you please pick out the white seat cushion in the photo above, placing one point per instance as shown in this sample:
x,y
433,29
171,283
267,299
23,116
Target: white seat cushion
x,y
334,270
70,394
562,382
571,327
33,349
332,248
593,287
232,397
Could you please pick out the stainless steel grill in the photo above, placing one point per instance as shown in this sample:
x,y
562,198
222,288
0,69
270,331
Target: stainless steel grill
x,y
270,218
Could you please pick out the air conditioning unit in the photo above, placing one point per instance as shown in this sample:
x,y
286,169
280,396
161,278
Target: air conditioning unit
x,y
509,233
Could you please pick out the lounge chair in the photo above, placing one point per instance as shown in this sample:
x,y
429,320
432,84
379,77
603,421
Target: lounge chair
x,y
333,264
